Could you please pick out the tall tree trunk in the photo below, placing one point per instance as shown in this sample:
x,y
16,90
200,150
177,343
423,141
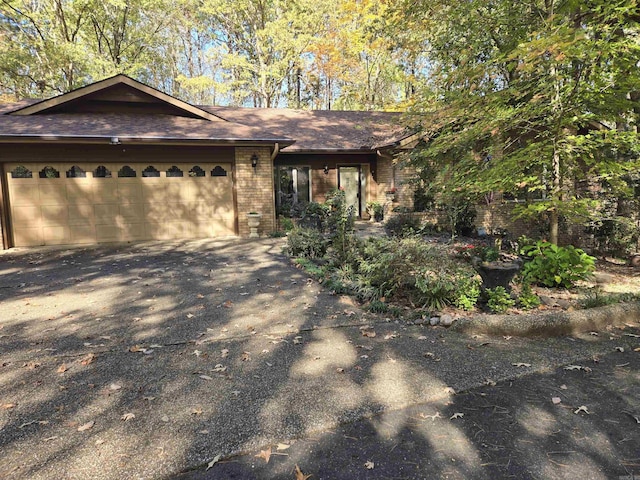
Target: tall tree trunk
x,y
556,196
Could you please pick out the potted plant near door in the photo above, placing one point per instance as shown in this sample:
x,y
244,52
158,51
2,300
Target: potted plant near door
x,y
253,219
391,194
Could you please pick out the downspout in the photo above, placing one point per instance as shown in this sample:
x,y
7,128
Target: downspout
x,y
274,154
276,151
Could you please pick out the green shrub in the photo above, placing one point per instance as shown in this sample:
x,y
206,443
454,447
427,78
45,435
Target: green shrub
x,y
286,224
402,225
341,223
499,300
527,299
377,306
310,267
304,242
555,266
468,295
412,270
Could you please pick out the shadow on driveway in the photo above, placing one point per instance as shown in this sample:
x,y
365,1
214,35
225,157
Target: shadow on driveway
x,y
146,360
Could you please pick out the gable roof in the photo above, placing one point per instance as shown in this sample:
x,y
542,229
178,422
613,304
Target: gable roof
x,y
323,130
119,88
125,108
130,110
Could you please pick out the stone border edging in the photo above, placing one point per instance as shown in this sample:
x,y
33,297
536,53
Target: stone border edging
x,y
552,323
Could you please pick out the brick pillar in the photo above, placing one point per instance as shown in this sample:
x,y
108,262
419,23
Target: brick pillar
x,y
254,189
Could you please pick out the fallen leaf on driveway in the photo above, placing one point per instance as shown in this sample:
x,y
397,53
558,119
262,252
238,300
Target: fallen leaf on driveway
x,y
219,368
368,333
520,364
224,352
213,462
127,416
631,335
227,304
246,356
582,409
115,386
577,367
369,465
456,415
86,426
635,417
62,368
205,377
190,315
8,406
619,349
300,475
87,359
282,446
266,454
432,417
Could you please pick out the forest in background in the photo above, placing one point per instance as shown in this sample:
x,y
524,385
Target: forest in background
x,y
537,98
332,54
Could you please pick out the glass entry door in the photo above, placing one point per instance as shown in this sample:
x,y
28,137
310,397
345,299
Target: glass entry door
x,y
349,181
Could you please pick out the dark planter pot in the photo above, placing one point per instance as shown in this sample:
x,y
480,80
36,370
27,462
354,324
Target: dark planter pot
x,y
497,274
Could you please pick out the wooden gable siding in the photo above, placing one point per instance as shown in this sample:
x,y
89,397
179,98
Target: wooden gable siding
x,y
120,98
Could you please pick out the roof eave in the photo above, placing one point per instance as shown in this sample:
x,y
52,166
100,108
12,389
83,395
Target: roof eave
x,y
120,140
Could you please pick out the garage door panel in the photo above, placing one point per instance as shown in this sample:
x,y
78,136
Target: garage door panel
x,y
25,193
132,231
79,190
82,234
108,233
106,214
105,190
129,190
28,237
104,207
80,214
27,217
54,215
52,192
55,235
131,212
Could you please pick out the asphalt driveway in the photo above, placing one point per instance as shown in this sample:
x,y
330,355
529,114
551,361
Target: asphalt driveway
x,y
147,360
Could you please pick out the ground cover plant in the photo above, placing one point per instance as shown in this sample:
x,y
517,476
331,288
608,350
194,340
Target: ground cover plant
x,y
412,270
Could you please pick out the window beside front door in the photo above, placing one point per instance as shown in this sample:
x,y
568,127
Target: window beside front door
x,y
293,188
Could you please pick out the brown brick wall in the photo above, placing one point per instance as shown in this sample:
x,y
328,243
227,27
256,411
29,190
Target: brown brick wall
x,y
254,190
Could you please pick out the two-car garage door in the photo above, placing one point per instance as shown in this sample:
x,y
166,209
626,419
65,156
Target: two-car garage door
x,y
84,203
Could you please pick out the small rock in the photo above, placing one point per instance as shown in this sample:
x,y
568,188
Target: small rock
x,y
634,261
446,320
434,321
419,321
565,304
604,278
548,301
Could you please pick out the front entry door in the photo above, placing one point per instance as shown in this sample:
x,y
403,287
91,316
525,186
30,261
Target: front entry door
x,y
349,181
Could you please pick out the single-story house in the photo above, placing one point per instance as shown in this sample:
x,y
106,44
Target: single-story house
x,y
118,160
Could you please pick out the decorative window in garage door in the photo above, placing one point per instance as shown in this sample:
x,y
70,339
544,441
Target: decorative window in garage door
x,y
218,171
49,172
151,171
76,172
21,172
103,172
196,171
126,172
174,172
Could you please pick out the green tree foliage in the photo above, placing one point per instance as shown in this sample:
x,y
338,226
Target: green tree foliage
x,y
536,96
